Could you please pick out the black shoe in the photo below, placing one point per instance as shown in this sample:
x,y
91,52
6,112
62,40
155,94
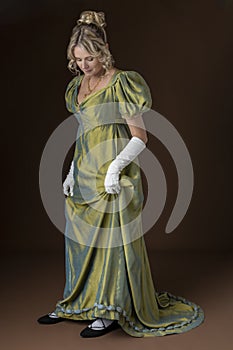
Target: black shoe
x,y
90,333
50,320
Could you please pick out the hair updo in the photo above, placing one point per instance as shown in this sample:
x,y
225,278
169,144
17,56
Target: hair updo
x,y
90,34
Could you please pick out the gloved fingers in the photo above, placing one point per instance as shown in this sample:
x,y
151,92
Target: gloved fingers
x,y
68,186
65,190
72,188
111,182
110,190
114,189
118,189
69,192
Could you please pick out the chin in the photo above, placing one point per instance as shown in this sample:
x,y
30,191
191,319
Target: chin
x,y
87,72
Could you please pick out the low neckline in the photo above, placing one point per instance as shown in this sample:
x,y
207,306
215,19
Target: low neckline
x,y
111,81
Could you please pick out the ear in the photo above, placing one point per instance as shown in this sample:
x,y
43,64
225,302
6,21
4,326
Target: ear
x,y
107,45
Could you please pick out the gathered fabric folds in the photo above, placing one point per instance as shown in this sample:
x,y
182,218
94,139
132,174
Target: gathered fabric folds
x,y
107,268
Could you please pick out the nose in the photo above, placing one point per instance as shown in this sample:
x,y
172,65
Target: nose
x,y
85,64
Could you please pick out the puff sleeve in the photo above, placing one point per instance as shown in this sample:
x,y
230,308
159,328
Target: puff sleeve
x,y
70,94
133,94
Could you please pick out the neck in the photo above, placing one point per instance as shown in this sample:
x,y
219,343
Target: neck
x,y
101,72
98,75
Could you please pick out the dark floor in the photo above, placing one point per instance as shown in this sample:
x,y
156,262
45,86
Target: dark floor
x,y
31,285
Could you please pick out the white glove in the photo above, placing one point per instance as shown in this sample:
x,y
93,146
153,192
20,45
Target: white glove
x,y
131,150
68,184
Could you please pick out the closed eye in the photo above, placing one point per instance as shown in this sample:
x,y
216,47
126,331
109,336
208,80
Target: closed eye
x,y
88,59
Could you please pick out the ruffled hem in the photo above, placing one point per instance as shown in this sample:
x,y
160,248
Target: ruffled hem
x,y
128,325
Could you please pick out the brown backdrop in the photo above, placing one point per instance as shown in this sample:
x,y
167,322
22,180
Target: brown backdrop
x,y
183,50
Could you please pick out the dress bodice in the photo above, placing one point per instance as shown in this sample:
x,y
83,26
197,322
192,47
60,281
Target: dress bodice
x,y
127,94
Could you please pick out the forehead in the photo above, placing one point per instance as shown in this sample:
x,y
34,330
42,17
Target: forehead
x,y
80,52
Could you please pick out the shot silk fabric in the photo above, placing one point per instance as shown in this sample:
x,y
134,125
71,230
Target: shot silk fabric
x,y
107,267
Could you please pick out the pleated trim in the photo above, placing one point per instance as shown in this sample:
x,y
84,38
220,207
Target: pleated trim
x,y
198,314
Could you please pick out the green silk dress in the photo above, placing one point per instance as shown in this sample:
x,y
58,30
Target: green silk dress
x,y
107,267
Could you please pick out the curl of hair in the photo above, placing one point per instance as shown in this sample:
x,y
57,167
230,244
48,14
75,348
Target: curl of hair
x,y
89,33
92,17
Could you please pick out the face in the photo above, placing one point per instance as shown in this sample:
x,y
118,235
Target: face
x,y
88,64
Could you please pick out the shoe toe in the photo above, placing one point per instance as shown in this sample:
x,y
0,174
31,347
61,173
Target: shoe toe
x,y
88,332
49,320
91,333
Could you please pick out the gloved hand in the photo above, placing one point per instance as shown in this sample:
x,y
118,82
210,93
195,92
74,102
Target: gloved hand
x,y
68,184
131,150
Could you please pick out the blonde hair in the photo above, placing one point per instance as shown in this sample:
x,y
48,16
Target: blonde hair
x,y
89,33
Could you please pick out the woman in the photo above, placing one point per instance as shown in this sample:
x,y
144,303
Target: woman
x,y
108,278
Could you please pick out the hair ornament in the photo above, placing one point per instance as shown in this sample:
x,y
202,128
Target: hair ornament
x,y
88,17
